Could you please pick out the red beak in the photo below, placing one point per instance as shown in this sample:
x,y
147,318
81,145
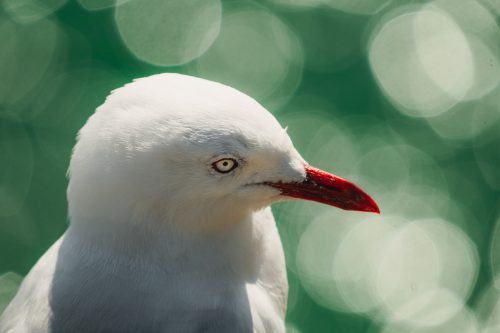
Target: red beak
x,y
329,189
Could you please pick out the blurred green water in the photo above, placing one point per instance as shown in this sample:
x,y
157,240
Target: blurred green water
x,y
401,96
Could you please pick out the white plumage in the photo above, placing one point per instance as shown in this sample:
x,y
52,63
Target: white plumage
x,y
159,240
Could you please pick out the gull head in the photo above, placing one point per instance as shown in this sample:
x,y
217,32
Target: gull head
x,y
181,150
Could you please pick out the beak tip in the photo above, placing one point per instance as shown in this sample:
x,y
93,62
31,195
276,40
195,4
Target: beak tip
x,y
371,206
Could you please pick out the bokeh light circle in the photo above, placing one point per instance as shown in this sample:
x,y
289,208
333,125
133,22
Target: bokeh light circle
x,y
255,53
428,308
314,260
488,306
422,61
409,264
31,51
463,320
28,11
168,33
354,263
21,227
458,254
424,258
386,267
468,120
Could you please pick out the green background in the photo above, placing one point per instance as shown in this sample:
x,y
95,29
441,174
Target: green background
x,y
400,96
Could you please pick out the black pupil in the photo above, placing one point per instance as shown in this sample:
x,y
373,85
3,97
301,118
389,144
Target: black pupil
x,y
225,165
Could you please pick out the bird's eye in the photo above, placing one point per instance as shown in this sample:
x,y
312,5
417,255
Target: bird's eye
x,y
225,165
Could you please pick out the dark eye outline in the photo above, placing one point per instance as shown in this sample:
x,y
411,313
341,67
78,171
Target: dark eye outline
x,y
216,168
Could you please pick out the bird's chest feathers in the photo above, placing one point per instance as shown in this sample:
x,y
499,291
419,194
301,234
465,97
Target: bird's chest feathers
x,y
187,280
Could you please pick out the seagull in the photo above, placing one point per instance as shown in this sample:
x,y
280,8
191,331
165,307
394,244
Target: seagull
x,y
170,184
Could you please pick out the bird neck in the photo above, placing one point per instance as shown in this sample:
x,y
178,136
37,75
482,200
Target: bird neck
x,y
229,248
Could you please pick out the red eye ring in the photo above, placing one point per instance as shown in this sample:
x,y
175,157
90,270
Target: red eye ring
x,y
225,165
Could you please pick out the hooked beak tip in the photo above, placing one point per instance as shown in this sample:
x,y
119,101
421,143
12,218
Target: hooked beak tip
x,y
372,206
